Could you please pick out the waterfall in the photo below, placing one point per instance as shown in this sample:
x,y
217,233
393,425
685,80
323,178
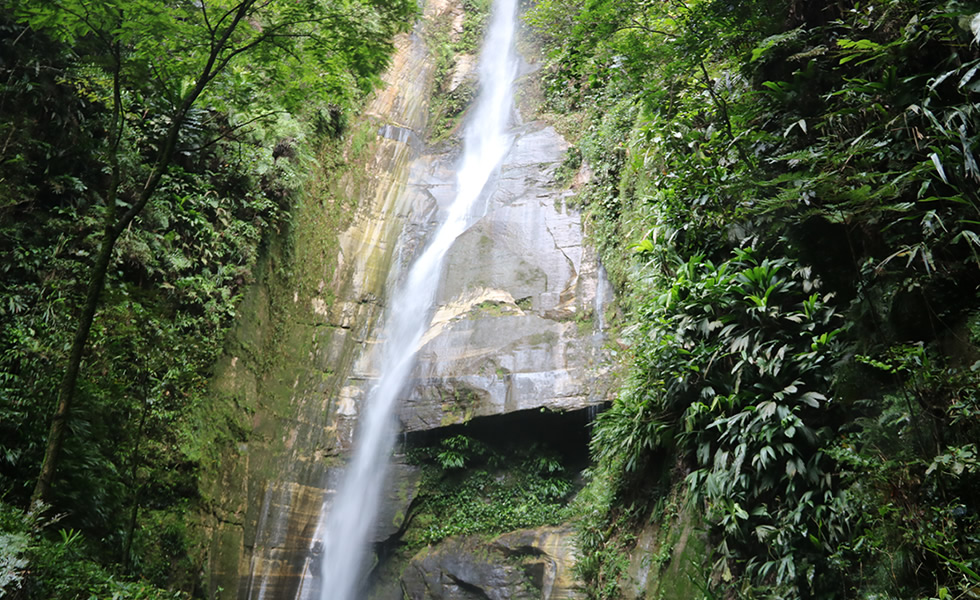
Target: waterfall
x,y
346,523
602,282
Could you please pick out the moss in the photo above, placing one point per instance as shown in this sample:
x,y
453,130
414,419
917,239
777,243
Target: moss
x,y
407,490
361,139
673,564
502,486
495,308
268,352
457,403
544,338
569,166
531,276
585,322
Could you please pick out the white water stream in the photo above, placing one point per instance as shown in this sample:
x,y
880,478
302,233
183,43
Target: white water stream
x,y
346,524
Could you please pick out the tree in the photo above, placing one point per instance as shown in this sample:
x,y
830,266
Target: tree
x,y
141,57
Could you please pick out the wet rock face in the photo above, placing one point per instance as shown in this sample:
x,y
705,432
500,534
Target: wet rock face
x,y
531,564
400,491
455,570
515,322
514,328
289,362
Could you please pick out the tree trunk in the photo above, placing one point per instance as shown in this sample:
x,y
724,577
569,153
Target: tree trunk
x,y
137,488
66,391
114,227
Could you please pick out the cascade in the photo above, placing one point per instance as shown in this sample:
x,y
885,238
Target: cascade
x,y
346,519
601,292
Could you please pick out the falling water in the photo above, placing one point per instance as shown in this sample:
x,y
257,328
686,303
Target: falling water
x,y
344,532
602,282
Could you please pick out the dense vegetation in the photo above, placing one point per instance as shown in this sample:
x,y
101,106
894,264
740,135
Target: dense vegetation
x,y
473,486
149,153
786,195
449,102
475,482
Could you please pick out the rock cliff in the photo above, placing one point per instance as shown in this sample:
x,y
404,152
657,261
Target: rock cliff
x,y
530,564
514,328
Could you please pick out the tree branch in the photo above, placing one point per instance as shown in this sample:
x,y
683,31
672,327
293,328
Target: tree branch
x,y
167,91
66,388
642,27
224,134
723,112
210,70
207,23
99,33
234,10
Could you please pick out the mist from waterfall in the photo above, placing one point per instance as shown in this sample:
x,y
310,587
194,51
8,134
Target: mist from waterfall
x,y
346,523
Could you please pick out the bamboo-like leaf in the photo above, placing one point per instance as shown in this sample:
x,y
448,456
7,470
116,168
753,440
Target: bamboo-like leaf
x,y
970,236
644,246
969,161
963,567
939,166
968,76
937,81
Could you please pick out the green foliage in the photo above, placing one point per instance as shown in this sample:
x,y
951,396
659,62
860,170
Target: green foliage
x,y
448,104
476,14
604,528
92,90
470,486
347,43
58,563
732,373
839,141
457,451
909,461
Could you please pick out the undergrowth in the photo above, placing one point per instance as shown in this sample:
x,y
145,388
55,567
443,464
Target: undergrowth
x,y
472,487
785,196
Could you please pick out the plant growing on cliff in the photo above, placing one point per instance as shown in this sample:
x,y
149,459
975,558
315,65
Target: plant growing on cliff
x,y
456,452
142,61
474,486
842,137
143,425
732,374
59,566
909,464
